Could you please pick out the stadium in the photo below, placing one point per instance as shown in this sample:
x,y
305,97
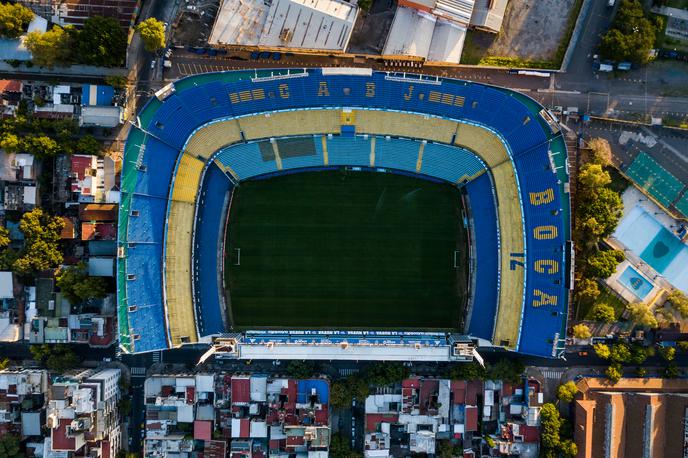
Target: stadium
x,y
343,214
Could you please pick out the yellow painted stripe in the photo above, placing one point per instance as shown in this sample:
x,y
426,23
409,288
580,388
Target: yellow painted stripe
x,y
372,152
419,162
326,160
278,159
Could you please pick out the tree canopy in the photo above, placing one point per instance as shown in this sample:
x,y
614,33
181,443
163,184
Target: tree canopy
x,y
77,286
14,19
58,358
567,391
614,373
601,151
631,36
10,446
603,264
641,315
603,312
602,350
550,423
51,48
152,33
679,302
41,250
581,331
101,42
510,370
620,353
587,290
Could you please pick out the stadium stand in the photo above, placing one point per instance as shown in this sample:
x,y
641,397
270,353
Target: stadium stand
x,y
208,240
486,261
218,117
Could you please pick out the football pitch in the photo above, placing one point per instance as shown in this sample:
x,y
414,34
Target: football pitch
x,y
342,249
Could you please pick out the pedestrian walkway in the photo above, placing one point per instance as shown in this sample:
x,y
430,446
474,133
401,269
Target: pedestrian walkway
x,y
347,372
138,371
552,374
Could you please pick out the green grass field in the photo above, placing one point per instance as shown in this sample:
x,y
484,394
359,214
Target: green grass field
x,y
342,249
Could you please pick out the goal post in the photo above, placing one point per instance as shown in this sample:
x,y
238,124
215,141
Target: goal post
x,y
456,259
238,255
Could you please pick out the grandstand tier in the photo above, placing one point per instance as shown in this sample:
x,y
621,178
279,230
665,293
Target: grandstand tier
x,y
246,126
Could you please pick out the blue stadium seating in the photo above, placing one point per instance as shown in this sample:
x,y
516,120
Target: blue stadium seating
x,y
349,151
449,163
396,153
482,203
245,160
172,121
208,241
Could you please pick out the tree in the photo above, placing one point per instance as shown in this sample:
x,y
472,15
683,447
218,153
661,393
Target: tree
x,y
593,176
340,395
599,211
668,353
671,371
51,48
631,36
679,302
152,33
381,373
10,446
4,363
118,82
614,373
40,146
587,290
9,142
581,331
77,286
301,369
601,151
89,145
101,42
339,447
466,371
510,370
641,315
41,234
57,358
14,20
682,345
638,354
603,264
602,350
4,237
567,391
620,353
603,312
640,371
568,448
550,423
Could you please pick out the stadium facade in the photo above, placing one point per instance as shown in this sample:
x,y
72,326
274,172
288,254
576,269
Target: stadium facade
x,y
202,135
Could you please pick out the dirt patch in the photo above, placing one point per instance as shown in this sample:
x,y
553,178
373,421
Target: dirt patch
x,y
532,31
192,27
371,29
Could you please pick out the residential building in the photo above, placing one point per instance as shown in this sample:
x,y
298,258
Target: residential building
x,y
75,12
635,417
22,400
83,414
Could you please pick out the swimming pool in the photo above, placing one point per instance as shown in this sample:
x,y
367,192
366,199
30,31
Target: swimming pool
x,y
648,239
635,282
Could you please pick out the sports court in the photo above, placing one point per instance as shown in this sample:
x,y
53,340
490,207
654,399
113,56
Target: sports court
x,y
655,179
346,249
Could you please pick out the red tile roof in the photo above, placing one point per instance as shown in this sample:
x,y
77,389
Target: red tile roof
x,y
530,433
68,231
374,419
79,165
241,390
203,430
471,422
98,212
294,441
472,389
98,231
59,437
10,86
411,383
458,389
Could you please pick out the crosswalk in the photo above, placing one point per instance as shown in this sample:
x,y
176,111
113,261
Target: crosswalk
x,y
552,374
156,357
138,371
348,372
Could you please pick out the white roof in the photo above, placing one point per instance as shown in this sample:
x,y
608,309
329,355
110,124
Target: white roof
x,y
489,397
205,383
305,24
185,413
103,116
456,10
259,429
489,14
386,353
6,285
30,195
101,267
447,42
410,34
258,388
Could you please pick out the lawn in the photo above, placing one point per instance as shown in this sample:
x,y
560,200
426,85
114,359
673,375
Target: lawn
x,y
606,296
336,249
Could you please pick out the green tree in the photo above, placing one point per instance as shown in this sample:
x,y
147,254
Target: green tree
x,y
601,151
640,372
101,42
668,353
51,48
4,237
9,142
118,82
593,176
14,20
77,286
631,36
682,345
567,391
614,373
679,302
40,146
568,448
581,331
603,312
671,371
603,264
641,315
602,350
620,353
152,33
587,290
88,144
550,424
598,211
381,373
10,446
4,363
41,250
340,395
57,358
466,371
638,354
339,447
301,369
510,370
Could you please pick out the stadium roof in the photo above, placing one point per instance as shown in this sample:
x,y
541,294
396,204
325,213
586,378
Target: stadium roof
x,y
489,14
296,24
418,33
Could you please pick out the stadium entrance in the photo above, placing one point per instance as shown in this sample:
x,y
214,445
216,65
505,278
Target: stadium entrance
x,y
346,249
